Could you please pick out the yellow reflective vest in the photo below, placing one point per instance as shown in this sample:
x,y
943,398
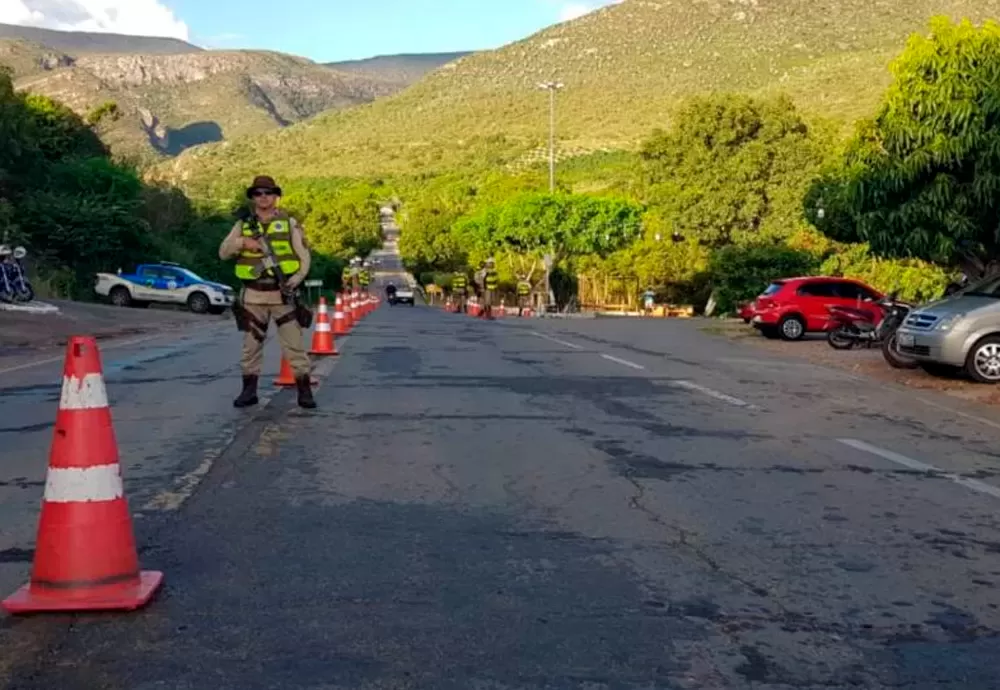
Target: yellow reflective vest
x,y
279,236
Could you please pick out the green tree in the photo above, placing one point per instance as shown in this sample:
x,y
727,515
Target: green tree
x,y
732,169
921,178
563,225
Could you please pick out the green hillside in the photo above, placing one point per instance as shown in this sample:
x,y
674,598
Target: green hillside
x,y
170,102
624,67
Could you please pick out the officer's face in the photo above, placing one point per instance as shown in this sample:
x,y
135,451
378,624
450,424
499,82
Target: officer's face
x,y
264,199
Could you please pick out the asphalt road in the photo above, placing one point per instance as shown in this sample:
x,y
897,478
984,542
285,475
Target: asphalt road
x,y
526,504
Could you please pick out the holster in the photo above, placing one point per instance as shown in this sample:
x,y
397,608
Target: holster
x,y
240,314
303,315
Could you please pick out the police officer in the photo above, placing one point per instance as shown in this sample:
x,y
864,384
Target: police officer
x,y
459,286
491,281
365,277
261,298
523,296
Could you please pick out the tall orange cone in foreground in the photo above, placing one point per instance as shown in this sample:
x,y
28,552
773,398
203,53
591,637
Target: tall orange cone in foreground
x,y
85,555
322,342
339,321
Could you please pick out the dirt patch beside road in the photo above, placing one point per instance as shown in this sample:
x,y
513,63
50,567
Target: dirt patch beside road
x,y
26,334
863,362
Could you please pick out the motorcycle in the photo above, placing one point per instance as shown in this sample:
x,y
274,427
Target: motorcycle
x,y
875,325
22,286
14,285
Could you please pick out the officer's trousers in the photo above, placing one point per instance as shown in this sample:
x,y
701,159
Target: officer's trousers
x,y
293,348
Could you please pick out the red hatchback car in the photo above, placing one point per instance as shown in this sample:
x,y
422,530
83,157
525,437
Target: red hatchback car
x,y
791,307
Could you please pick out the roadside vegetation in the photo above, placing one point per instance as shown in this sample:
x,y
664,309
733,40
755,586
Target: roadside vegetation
x,y
741,189
733,189
79,212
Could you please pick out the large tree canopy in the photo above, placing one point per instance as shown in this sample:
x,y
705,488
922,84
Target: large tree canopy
x,y
922,178
732,169
563,225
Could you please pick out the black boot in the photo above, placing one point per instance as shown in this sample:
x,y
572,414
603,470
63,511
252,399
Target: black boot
x,y
304,384
248,396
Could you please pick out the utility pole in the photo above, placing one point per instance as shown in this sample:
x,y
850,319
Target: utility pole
x,y
552,87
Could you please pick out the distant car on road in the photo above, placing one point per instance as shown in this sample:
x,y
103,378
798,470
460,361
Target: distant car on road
x,y
791,307
403,295
164,283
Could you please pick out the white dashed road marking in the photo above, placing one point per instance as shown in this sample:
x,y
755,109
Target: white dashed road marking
x,y
556,340
688,385
622,361
910,463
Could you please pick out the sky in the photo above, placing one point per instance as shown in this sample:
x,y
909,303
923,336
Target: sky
x,y
322,30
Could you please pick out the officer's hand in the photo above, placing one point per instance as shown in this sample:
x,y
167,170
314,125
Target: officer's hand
x,y
251,245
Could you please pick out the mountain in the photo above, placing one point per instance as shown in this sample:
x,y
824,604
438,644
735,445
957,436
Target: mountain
x,y
177,96
76,42
401,70
624,68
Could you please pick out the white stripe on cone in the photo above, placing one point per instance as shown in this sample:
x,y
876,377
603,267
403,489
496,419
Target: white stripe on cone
x,y
83,394
322,328
83,484
322,308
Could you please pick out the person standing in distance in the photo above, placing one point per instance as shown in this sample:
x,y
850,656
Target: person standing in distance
x,y
261,297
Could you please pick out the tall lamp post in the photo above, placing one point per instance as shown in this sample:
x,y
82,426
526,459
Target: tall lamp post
x,y
552,87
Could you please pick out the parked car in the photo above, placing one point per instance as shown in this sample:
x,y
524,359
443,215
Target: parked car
x,y
791,307
961,331
164,283
745,311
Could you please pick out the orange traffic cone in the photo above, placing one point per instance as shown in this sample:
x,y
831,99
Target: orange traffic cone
x,y
355,308
322,342
339,322
348,316
85,553
286,377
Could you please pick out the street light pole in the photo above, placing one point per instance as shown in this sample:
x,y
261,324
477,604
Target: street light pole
x,y
552,87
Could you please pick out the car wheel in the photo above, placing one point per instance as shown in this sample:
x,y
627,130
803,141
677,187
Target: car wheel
x,y
198,303
983,360
120,297
840,338
792,328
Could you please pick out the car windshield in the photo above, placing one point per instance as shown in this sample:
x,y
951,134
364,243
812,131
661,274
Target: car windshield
x,y
192,276
989,287
773,288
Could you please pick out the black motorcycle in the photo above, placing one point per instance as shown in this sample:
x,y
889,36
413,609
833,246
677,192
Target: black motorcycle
x,y
874,324
14,285
22,286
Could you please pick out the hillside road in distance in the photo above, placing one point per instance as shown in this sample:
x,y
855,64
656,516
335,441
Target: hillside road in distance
x,y
527,504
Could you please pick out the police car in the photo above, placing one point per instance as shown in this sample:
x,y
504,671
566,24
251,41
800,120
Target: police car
x,y
164,283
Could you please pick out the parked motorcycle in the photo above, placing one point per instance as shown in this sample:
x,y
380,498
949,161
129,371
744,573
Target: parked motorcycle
x,y
14,284
875,323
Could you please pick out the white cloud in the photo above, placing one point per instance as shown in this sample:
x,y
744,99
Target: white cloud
x,y
136,17
575,10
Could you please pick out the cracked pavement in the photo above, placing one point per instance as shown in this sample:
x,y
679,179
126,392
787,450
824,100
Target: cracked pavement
x,y
502,506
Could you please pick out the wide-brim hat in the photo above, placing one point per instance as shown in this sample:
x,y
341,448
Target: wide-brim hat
x,y
263,182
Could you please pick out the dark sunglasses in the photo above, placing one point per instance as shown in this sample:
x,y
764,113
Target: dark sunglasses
x,y
264,192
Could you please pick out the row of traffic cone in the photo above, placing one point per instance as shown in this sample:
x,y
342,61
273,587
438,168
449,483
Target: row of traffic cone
x,y
475,309
85,553
325,333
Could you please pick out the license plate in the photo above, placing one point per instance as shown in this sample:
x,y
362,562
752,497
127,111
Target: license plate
x,y
905,340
